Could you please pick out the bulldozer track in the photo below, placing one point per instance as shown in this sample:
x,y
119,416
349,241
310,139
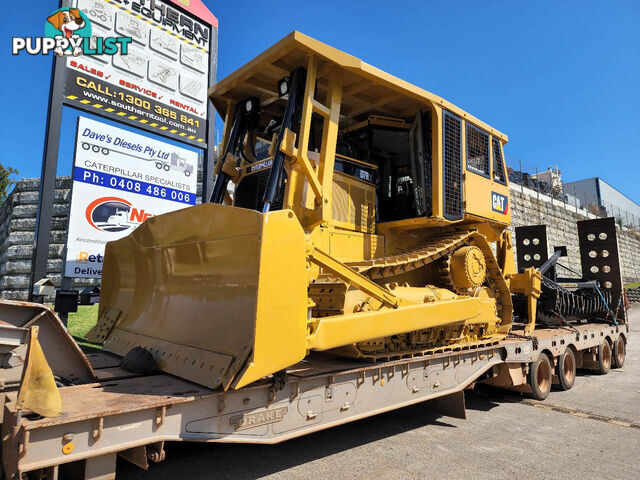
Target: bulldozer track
x,y
437,248
419,256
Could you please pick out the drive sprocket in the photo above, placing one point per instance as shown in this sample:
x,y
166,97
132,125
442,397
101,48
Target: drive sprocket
x,y
464,270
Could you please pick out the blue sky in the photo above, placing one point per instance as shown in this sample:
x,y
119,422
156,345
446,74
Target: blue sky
x,y
560,78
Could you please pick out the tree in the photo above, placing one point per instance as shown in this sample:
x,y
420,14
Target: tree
x,y
594,209
5,181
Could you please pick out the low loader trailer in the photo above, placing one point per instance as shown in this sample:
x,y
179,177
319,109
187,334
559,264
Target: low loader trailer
x,y
132,415
354,257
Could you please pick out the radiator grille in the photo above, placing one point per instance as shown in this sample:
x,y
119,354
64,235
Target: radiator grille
x,y
358,207
250,191
354,205
452,160
340,201
428,187
498,165
477,151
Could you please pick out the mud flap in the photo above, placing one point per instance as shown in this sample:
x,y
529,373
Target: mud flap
x,y
452,405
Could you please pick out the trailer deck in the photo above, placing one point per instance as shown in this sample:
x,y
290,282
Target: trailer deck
x,y
132,415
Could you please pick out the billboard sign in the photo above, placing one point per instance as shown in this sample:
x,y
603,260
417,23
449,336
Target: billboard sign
x,y
120,179
161,83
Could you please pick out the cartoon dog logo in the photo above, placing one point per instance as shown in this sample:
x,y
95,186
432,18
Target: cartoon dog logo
x,y
69,23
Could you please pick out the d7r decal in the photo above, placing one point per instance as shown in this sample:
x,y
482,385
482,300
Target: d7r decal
x,y
499,203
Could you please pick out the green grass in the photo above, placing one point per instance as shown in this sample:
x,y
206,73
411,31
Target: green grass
x,y
632,285
80,323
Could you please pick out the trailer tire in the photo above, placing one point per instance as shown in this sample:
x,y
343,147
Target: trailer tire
x,y
540,377
566,369
166,167
159,165
603,358
619,352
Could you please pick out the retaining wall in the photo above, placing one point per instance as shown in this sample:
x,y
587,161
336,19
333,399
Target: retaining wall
x,y
527,208
17,237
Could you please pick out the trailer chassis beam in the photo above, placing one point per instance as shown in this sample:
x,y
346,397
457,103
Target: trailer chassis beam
x,y
305,404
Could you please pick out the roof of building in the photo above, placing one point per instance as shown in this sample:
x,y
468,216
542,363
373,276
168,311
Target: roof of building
x,y
582,180
598,179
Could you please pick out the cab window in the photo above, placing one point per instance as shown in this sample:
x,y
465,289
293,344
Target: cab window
x,y
477,151
498,164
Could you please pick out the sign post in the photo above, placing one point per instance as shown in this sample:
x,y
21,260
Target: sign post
x,y
159,86
48,177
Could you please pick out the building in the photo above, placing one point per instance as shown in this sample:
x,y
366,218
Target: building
x,y
552,177
596,193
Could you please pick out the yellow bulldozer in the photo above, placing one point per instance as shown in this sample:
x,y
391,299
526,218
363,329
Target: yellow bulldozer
x,y
352,212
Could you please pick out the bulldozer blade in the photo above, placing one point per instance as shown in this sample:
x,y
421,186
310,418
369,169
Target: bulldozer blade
x,y
217,294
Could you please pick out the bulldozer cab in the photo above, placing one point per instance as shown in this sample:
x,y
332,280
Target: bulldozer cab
x,y
401,157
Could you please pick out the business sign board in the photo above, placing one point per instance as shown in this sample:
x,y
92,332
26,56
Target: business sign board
x,y
161,83
119,180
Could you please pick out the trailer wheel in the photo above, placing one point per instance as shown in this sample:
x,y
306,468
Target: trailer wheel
x,y
166,167
603,358
95,148
540,377
187,173
566,369
619,352
159,165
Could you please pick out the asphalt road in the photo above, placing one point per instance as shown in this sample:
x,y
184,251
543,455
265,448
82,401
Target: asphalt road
x,y
589,432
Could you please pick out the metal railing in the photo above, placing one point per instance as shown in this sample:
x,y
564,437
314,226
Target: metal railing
x,y
527,176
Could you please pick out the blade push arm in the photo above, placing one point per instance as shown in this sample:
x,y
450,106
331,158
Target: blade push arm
x,y
246,116
296,85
